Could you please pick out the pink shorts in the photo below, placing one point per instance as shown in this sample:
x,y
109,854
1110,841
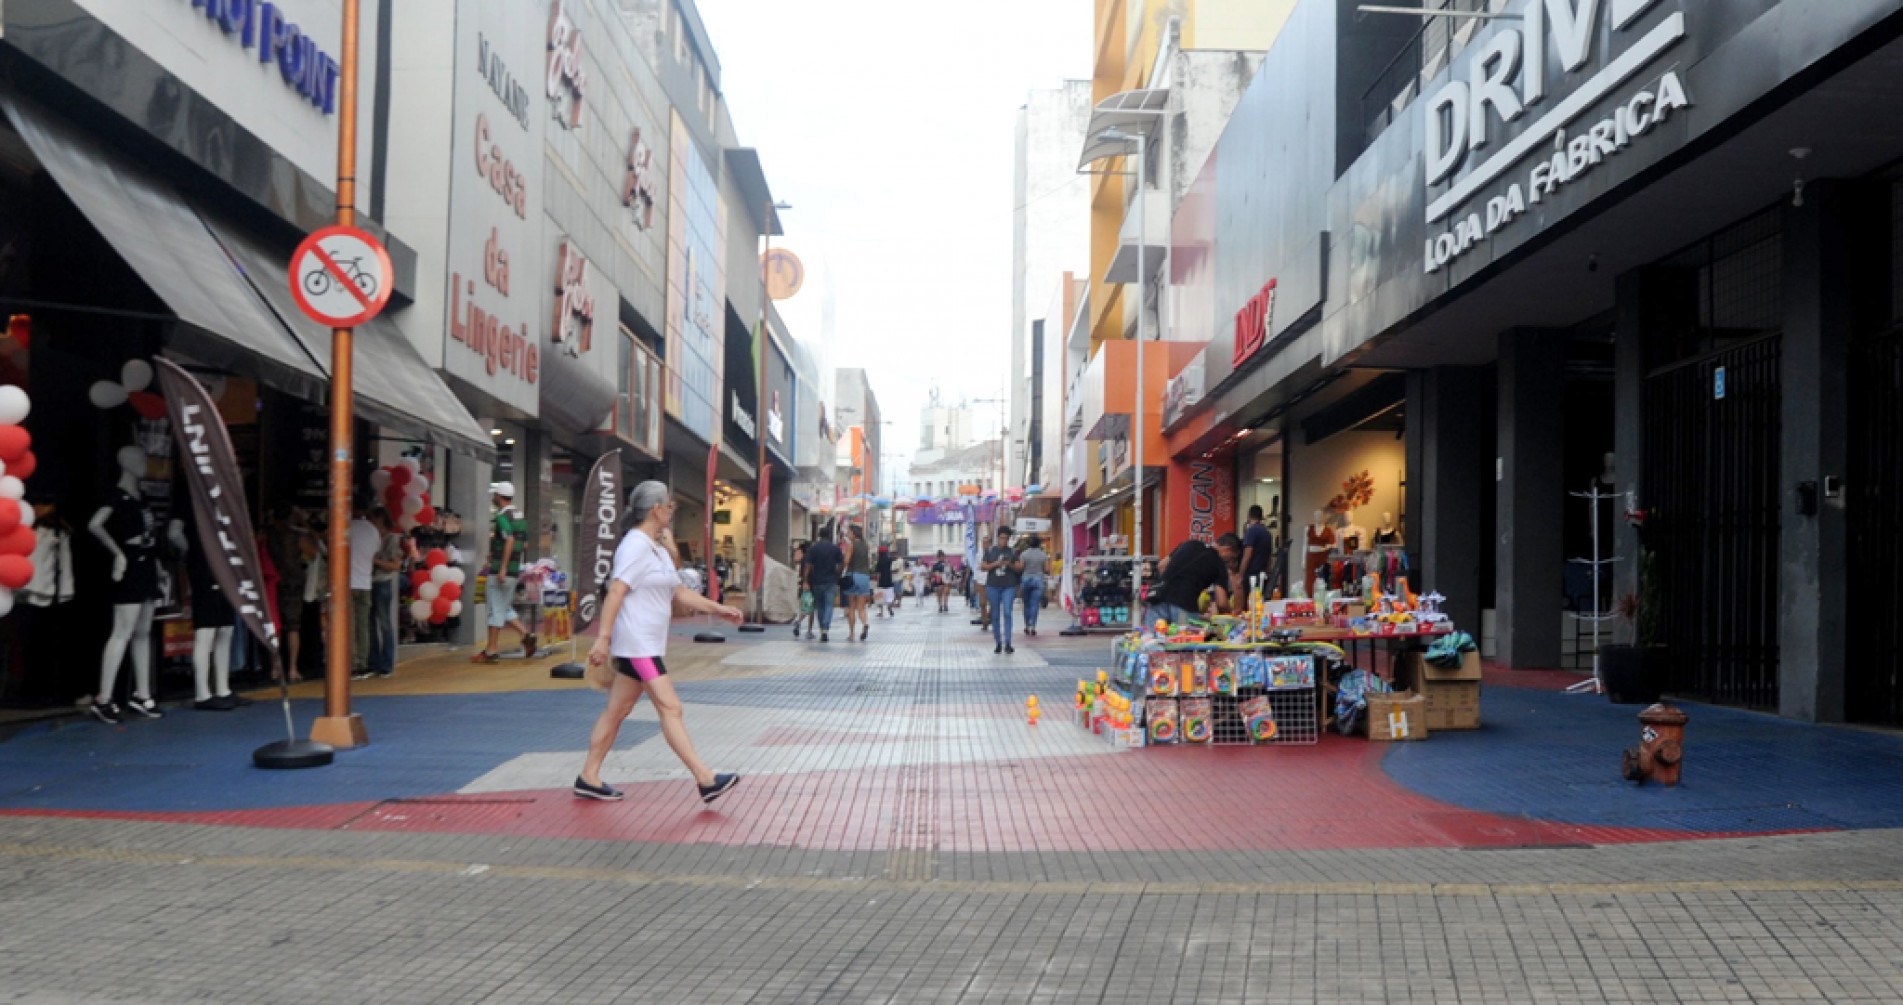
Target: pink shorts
x,y
641,668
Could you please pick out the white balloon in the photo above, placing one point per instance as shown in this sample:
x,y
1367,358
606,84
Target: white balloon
x,y
415,466
12,488
412,505
26,515
380,479
14,405
416,489
420,610
455,608
136,374
455,574
406,523
6,601
427,591
442,573
106,394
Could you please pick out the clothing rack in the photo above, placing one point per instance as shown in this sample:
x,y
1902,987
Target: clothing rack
x,y
1596,685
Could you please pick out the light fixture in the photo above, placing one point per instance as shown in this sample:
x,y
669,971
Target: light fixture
x,y
1797,197
510,442
495,432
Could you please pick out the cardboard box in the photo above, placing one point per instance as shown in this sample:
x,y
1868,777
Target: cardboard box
x,y
1398,716
1417,671
1452,704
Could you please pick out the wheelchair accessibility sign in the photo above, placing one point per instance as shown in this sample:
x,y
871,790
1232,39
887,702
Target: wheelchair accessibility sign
x,y
341,277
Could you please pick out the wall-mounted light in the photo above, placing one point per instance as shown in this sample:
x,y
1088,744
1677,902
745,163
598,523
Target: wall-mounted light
x,y
1797,186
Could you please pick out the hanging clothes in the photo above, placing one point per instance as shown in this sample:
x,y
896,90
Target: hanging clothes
x,y
52,581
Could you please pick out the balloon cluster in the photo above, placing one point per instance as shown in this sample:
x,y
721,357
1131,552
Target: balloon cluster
x,y
405,493
16,517
131,386
439,589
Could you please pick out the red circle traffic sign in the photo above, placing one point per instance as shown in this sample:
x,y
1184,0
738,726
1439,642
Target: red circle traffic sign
x,y
341,277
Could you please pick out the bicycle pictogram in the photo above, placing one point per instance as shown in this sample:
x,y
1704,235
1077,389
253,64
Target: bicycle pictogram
x,y
321,281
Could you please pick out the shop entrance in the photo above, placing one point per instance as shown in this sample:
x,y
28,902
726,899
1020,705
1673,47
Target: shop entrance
x,y
1712,435
1874,661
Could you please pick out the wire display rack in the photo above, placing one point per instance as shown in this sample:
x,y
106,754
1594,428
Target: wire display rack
x,y
1261,696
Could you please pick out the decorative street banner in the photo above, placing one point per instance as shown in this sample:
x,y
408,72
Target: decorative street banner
x,y
971,536
218,504
601,531
1199,501
926,514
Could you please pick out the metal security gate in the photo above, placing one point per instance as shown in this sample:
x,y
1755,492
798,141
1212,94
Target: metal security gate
x,y
1711,476
1874,660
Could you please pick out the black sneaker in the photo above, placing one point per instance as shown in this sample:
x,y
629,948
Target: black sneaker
x,y
823,638
995,650
1008,651
709,793
361,675
864,630
604,792
212,705
107,713
528,646
145,707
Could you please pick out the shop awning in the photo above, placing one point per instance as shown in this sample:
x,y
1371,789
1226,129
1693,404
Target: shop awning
x,y
393,386
161,237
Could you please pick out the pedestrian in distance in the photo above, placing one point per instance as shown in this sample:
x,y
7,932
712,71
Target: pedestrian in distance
x,y
508,538
885,577
628,659
1001,567
806,593
858,585
941,576
1031,580
820,576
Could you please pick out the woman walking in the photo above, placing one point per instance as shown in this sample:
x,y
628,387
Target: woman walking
x,y
859,583
883,574
641,600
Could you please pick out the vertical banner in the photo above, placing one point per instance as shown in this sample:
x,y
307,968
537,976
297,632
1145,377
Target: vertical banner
x,y
712,589
218,504
600,531
971,538
1199,501
1066,591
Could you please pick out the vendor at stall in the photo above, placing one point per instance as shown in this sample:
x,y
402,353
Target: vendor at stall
x,y
1194,567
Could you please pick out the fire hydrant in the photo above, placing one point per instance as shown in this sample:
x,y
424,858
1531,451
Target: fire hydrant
x,y
1661,747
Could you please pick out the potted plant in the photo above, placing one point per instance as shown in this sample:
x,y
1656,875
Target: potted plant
x,y
1634,672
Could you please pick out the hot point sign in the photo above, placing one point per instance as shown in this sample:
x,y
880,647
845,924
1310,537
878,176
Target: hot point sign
x,y
1505,82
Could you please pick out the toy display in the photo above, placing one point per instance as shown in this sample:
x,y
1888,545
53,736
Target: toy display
x,y
1259,717
1160,713
1222,673
1196,714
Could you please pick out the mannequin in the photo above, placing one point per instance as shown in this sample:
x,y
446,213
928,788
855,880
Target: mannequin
x,y
1321,539
213,623
1387,534
1353,536
128,530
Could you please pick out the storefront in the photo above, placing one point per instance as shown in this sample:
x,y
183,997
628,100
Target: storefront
x,y
154,198
1656,263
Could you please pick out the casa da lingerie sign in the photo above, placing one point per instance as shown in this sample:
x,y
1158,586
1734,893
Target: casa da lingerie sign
x,y
1504,83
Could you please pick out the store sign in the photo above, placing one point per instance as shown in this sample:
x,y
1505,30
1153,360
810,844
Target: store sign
x,y
574,327
1505,82
495,167
1200,500
775,424
1253,322
739,414
502,82
567,76
1183,390
262,25
637,191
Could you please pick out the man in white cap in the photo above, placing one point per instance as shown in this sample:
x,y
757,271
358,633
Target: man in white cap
x,y
508,534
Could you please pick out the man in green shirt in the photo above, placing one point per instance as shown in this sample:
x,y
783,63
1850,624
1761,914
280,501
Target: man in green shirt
x,y
508,536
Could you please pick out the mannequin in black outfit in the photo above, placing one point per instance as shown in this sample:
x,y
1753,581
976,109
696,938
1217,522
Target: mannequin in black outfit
x,y
129,531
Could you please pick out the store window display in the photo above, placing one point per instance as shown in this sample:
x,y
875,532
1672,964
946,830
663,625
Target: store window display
x,y
128,529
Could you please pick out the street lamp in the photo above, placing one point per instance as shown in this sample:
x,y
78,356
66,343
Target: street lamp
x,y
1122,121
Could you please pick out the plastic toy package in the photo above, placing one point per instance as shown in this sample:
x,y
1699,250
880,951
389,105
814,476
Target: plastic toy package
x,y
1249,670
1222,673
1192,674
1287,672
1160,716
1259,718
1196,721
1161,673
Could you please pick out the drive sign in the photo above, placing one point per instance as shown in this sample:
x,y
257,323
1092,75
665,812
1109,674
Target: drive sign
x,y
341,277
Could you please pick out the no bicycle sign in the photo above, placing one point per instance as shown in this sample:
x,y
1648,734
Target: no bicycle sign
x,y
341,277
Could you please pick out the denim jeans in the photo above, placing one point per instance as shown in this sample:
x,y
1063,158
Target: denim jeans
x,y
1032,590
1002,598
383,625
1171,613
823,599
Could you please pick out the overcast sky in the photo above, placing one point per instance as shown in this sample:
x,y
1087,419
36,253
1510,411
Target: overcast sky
x,y
888,125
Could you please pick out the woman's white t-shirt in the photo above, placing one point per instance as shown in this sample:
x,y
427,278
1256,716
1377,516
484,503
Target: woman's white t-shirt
x,y
641,626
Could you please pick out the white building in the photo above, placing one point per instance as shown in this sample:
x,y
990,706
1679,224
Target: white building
x,y
977,464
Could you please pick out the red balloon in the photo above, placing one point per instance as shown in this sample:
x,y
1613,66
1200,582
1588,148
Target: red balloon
x,y
439,608
24,467
18,541
418,578
450,591
399,475
15,571
426,516
147,404
437,619
9,515
436,557
14,443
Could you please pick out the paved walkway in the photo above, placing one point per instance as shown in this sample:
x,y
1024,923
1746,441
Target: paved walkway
x,y
902,835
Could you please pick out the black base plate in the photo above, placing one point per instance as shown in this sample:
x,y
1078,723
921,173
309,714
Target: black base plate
x,y
568,671
293,754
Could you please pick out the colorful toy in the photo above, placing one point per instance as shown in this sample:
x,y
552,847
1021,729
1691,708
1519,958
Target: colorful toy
x,y
1194,675
1160,713
1286,672
1222,673
1259,718
1249,670
1196,712
1162,678
1031,710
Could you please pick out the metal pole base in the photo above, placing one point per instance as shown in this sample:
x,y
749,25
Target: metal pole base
x,y
709,637
568,671
1072,633
750,628
294,754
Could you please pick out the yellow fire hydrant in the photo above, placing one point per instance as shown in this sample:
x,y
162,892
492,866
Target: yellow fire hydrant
x,y
1661,749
